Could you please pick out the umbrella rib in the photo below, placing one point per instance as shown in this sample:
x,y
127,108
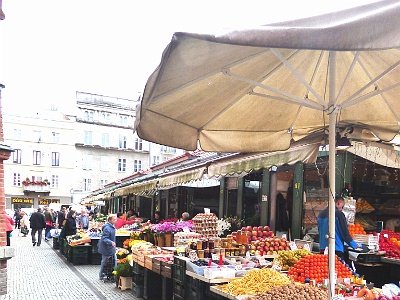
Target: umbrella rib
x,y
301,78
350,101
346,80
296,100
299,101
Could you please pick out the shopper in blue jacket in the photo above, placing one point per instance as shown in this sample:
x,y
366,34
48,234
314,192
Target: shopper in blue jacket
x,y
106,245
341,230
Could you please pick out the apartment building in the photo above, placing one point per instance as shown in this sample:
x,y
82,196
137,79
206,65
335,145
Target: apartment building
x,y
61,158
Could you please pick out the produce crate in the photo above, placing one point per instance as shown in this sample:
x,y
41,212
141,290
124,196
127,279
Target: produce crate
x,y
80,260
137,290
156,265
56,243
194,282
140,259
368,258
193,293
180,261
152,280
167,291
178,273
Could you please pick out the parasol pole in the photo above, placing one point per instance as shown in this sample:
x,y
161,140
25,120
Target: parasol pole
x,y
332,168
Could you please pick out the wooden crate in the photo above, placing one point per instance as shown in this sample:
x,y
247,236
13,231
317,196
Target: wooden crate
x,y
148,262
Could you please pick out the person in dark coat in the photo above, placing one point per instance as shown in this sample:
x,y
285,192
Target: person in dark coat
x,y
107,243
38,222
61,217
70,225
157,218
282,220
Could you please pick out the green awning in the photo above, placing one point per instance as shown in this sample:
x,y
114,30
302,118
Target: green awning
x,y
181,177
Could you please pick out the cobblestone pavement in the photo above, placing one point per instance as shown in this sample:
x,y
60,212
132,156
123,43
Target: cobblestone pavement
x,y
43,273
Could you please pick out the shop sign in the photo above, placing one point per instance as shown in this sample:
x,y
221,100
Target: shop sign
x,y
54,201
43,202
22,200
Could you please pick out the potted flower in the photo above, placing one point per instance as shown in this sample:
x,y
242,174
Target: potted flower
x,y
164,232
123,272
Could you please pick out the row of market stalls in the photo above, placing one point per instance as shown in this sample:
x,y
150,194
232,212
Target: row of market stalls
x,y
246,186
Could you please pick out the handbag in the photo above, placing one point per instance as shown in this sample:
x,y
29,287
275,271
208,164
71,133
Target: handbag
x,y
49,223
24,230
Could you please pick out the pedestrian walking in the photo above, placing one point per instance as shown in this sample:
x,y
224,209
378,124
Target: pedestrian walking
x,y
38,222
106,245
62,215
17,218
9,228
24,224
49,223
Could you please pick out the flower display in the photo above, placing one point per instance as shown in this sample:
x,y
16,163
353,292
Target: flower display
x,y
123,269
222,226
235,221
165,227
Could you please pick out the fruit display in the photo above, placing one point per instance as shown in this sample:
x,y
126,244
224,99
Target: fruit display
x,y
389,241
128,243
142,246
365,221
315,267
356,228
293,291
257,232
288,258
256,281
268,246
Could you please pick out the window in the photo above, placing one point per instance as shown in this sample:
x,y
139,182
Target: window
x,y
17,156
88,137
123,120
55,158
37,136
105,140
156,160
54,181
37,156
138,143
104,163
103,182
55,137
17,179
105,117
137,165
87,184
122,142
88,116
17,134
122,165
87,162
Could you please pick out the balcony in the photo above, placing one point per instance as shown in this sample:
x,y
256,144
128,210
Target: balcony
x,y
36,187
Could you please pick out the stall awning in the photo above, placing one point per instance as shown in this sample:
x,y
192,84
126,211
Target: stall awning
x,y
245,164
146,188
383,155
181,177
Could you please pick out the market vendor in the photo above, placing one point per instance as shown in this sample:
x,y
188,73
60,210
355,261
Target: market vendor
x,y
121,222
341,230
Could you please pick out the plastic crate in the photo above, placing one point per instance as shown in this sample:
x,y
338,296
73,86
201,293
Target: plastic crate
x,y
137,269
194,282
137,290
178,289
94,243
56,243
80,260
369,258
96,258
167,289
138,279
178,273
180,261
194,293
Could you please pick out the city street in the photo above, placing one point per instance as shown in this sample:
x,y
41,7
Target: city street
x,y
42,273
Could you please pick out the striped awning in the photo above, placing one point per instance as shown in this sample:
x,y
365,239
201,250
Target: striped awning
x,y
146,188
181,177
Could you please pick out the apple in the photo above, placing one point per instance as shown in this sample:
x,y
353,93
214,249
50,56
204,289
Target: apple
x,y
266,249
281,248
262,244
243,229
260,228
287,248
270,252
265,233
271,248
249,228
253,247
267,244
254,233
254,238
259,233
266,228
276,248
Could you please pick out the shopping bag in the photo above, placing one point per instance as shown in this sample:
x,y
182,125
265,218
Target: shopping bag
x,y
24,230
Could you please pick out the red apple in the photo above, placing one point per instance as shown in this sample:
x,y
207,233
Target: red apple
x,y
266,228
259,233
271,248
254,238
262,244
260,228
276,248
265,233
243,229
281,248
254,233
249,228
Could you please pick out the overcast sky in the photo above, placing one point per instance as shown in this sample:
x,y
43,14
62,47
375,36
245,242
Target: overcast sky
x,y
52,48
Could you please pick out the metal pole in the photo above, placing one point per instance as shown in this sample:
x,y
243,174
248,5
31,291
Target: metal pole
x,y
332,167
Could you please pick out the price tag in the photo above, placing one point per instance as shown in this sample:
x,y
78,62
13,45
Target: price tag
x,y
338,297
293,246
276,266
193,256
247,255
346,280
326,251
214,256
307,246
284,236
233,260
238,267
385,235
185,229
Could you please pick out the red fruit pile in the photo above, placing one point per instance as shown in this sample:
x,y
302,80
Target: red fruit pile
x,y
315,267
389,242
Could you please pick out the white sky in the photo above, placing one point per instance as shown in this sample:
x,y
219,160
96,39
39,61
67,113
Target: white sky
x,y
52,48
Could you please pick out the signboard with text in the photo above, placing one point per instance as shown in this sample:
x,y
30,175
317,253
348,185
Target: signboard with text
x,y
16,200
